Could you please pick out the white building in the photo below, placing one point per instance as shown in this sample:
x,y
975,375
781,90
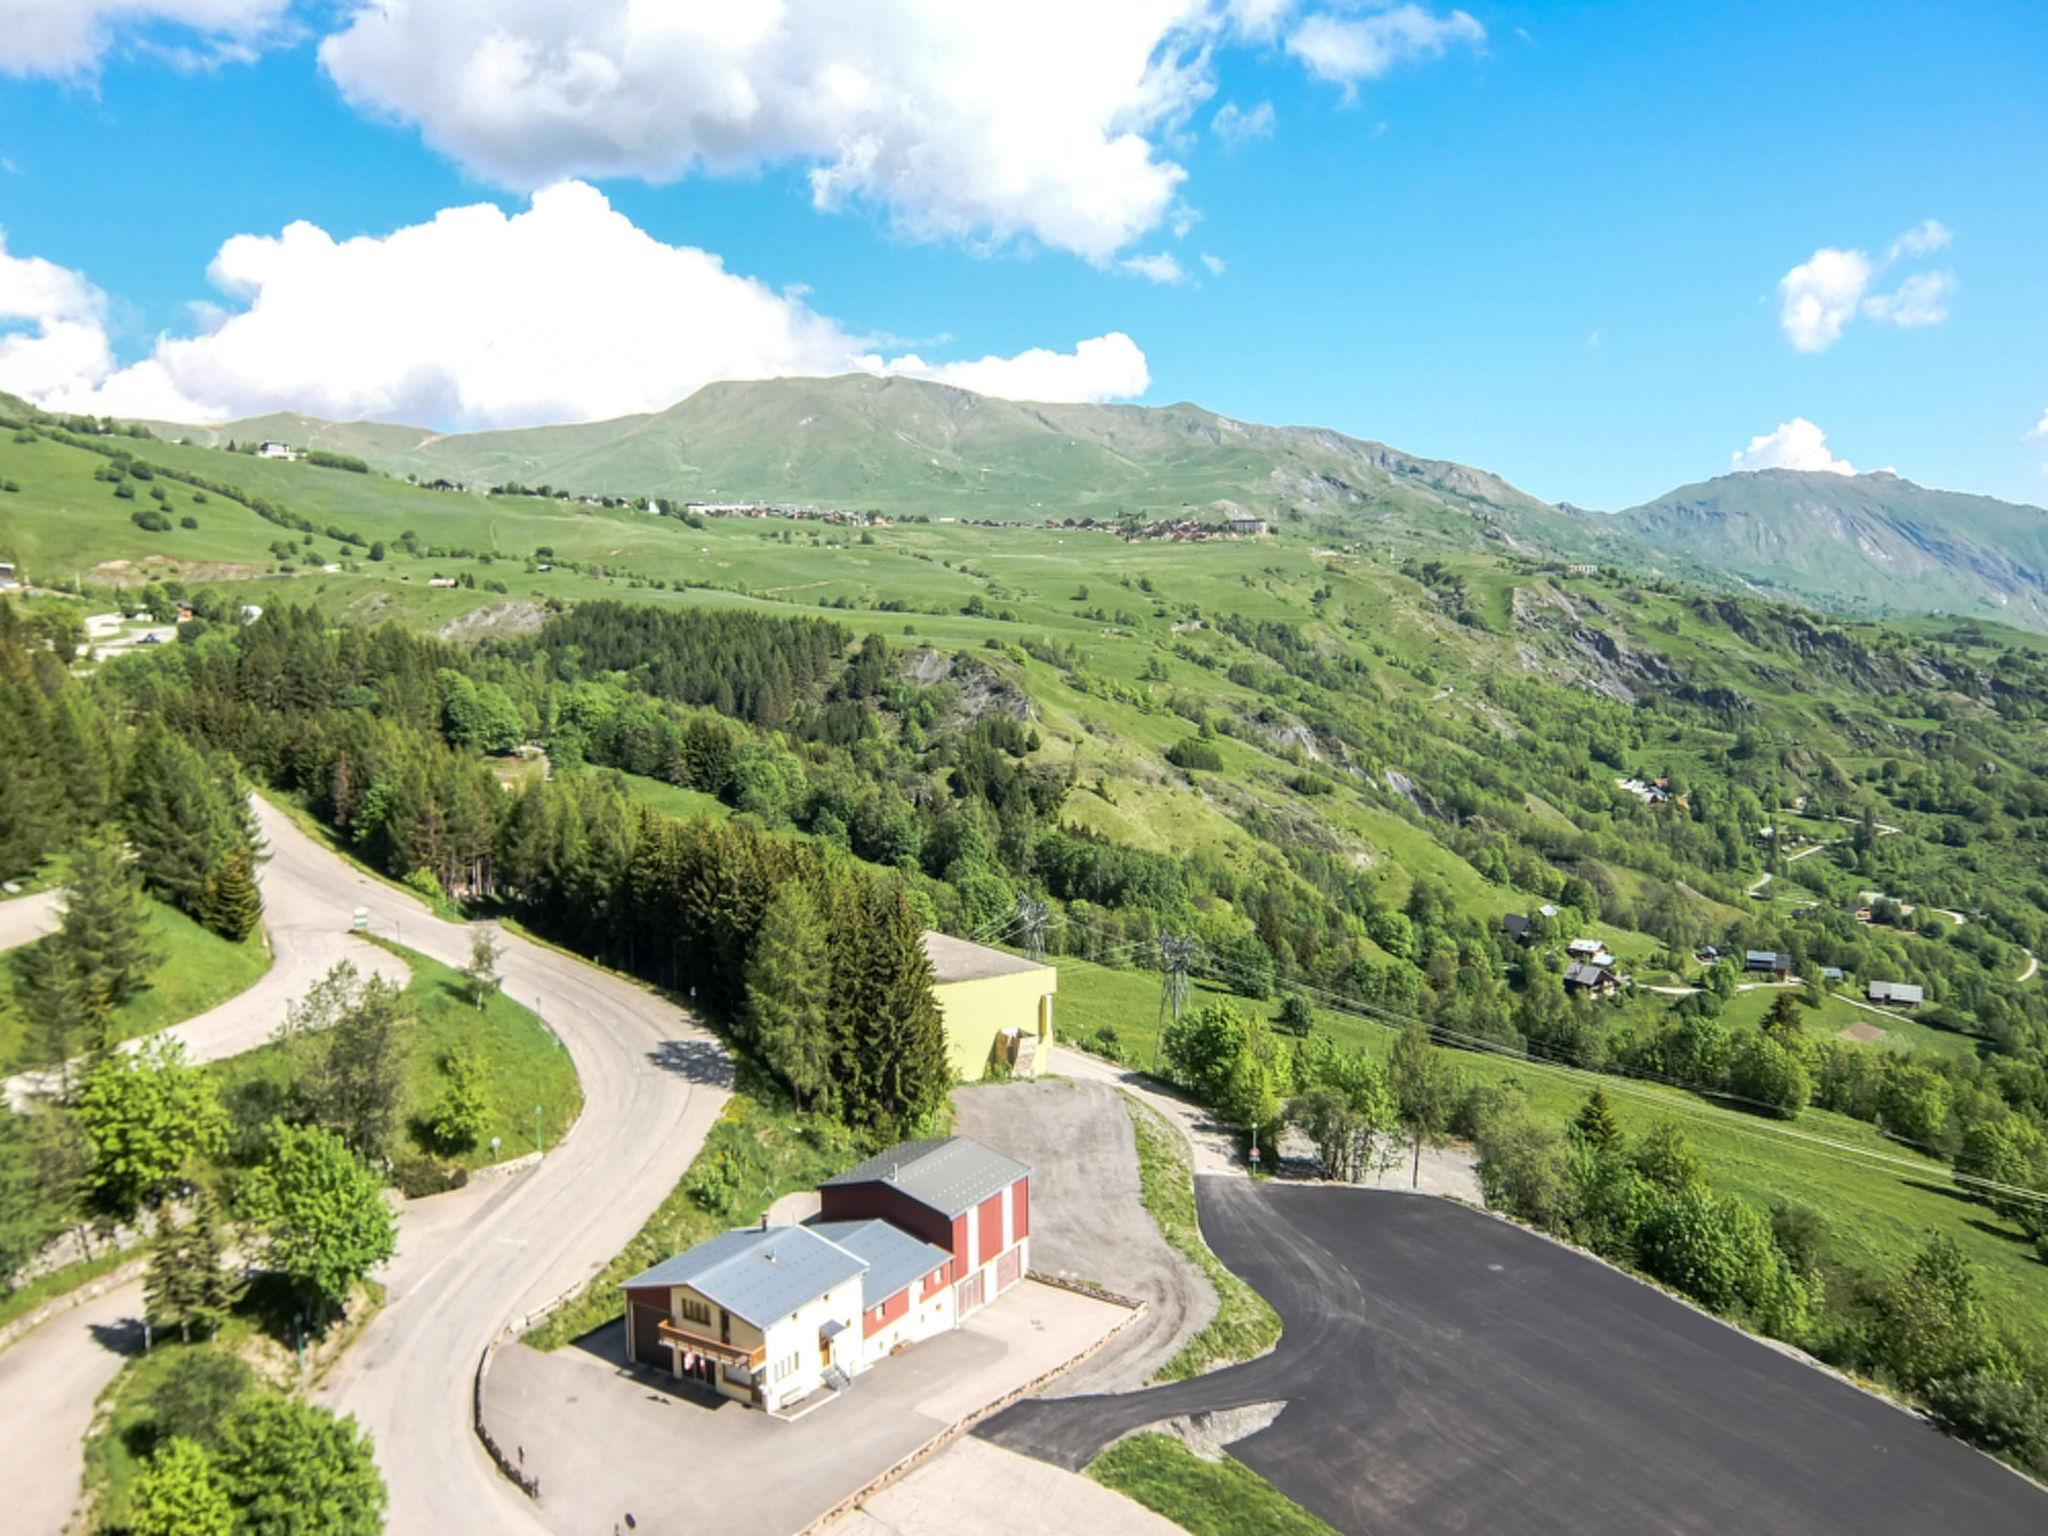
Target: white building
x,y
269,450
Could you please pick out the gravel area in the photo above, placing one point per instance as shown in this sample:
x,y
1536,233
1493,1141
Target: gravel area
x,y
1087,1221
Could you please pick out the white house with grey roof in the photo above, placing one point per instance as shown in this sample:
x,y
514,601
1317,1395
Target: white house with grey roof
x,y
905,1245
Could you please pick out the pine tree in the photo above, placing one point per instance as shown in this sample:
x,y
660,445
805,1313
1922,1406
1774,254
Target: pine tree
x,y
1595,1123
103,930
179,1493
185,816
788,1013
189,1283
231,905
902,1070
459,1120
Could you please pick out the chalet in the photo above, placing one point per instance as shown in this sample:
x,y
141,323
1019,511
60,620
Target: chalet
x,y
956,1194
1589,952
1250,527
1831,973
8,578
1767,962
996,1006
269,450
1516,926
1897,994
904,1247
1591,980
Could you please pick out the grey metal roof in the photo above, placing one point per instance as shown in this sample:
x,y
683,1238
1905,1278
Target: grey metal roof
x,y
1767,957
961,960
1899,991
759,1275
894,1258
1586,975
951,1174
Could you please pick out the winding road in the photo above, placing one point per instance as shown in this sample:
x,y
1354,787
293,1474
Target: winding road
x,y
469,1262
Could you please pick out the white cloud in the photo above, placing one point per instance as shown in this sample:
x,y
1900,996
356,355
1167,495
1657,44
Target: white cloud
x,y
1215,264
1158,267
70,37
1921,299
52,326
985,122
1233,125
1796,444
1346,49
1107,367
477,318
1821,295
2040,431
1923,239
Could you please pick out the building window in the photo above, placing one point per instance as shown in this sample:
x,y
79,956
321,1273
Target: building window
x,y
784,1369
696,1311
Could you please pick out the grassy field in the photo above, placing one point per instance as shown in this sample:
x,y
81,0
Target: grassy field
x,y
198,970
524,1065
1209,1498
1244,1327
1880,1200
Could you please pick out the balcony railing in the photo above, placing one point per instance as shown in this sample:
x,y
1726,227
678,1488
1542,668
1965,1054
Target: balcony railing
x,y
733,1354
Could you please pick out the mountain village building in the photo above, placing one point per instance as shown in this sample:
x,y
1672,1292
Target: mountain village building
x,y
905,1246
996,1006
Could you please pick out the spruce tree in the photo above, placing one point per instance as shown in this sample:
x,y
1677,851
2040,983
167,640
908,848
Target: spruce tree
x,y
189,1284
904,1072
231,905
184,815
788,1014
104,926
1595,1123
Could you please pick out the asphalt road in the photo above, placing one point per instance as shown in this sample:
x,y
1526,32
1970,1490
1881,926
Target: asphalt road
x,y
1447,1372
653,1084
24,919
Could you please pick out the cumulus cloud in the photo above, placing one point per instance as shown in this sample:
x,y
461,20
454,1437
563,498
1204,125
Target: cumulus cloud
x,y
1818,298
1215,264
52,326
987,122
70,37
478,318
2039,434
1233,125
1796,444
1346,49
1045,121
1104,368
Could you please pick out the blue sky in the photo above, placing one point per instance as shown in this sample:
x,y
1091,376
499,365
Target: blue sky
x,y
1545,239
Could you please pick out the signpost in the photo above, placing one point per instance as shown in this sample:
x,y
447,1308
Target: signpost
x,y
359,921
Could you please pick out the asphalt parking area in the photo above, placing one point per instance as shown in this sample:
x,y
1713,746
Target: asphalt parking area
x,y
1446,1372
607,1441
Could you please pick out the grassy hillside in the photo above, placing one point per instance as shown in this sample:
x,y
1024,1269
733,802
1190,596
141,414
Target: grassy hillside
x,y
1862,543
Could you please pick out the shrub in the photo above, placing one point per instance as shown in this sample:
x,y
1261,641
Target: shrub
x,y
1193,754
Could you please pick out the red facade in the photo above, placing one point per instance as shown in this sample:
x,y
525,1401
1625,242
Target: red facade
x,y
875,1319
867,1202
1020,1212
991,1223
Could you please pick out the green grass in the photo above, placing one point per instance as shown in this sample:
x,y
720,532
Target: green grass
x,y
674,800
198,970
1877,1215
764,1149
524,1064
1244,1327
1209,1498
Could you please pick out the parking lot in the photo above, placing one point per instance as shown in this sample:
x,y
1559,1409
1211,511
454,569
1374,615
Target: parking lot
x,y
1448,1372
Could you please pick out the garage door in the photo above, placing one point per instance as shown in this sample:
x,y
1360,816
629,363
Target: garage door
x,y
647,1346
1007,1268
967,1295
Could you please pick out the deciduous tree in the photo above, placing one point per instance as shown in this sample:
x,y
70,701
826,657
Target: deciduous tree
x,y
319,1215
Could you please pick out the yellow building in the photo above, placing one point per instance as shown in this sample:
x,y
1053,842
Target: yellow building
x,y
997,1006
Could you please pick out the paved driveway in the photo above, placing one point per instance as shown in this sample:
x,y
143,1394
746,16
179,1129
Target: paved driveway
x,y
24,919
1448,1372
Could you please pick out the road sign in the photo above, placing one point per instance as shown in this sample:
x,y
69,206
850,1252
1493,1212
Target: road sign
x,y
360,919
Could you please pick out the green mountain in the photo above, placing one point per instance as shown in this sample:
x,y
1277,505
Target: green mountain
x,y
1868,544
907,446
1858,543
